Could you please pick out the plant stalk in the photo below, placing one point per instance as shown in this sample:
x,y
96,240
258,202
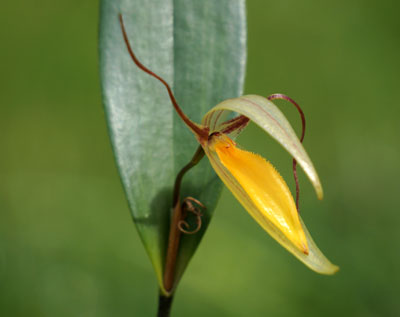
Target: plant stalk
x,y
175,232
164,305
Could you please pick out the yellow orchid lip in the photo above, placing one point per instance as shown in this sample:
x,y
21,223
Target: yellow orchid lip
x,y
263,185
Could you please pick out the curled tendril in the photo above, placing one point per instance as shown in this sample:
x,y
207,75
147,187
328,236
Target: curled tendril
x,y
189,205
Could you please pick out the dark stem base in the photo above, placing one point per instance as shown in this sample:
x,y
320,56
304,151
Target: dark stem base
x,y
164,306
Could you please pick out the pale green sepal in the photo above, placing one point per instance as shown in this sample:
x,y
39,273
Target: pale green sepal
x,y
268,116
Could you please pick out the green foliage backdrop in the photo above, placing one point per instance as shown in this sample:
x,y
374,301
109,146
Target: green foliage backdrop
x,y
67,243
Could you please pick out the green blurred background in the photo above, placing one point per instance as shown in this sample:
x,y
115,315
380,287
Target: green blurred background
x,y
67,243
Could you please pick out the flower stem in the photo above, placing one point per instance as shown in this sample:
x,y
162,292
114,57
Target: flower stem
x,y
175,232
164,305
199,131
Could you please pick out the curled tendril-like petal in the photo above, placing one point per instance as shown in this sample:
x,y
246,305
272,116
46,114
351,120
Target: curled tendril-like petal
x,y
189,205
303,131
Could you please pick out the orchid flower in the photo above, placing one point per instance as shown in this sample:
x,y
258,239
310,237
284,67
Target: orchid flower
x,y
253,180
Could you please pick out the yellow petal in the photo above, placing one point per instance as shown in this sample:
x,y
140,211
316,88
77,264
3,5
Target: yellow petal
x,y
265,187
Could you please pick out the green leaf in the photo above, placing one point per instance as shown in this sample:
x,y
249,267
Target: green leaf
x,y
199,48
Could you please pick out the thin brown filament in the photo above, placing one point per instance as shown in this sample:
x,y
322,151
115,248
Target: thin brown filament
x,y
193,126
303,131
183,223
235,124
189,200
187,206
